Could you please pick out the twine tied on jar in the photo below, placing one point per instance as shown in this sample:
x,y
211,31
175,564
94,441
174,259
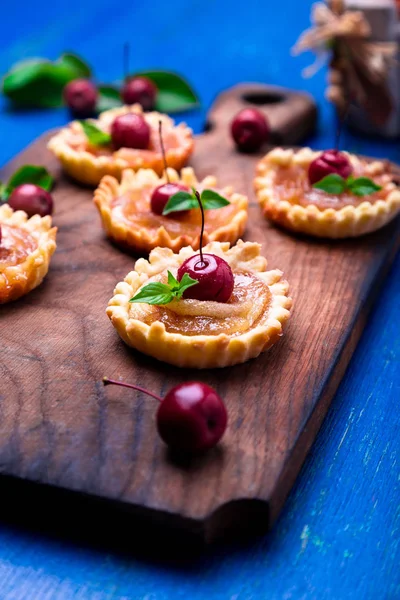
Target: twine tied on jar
x,y
358,67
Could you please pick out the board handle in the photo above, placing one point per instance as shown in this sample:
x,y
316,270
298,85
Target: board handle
x,y
291,114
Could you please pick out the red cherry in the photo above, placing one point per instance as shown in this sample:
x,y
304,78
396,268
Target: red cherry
x,y
250,129
32,199
191,418
162,194
80,95
329,162
214,276
130,131
139,90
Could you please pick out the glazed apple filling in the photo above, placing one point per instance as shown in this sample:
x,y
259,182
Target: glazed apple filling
x,y
16,244
133,208
247,305
291,184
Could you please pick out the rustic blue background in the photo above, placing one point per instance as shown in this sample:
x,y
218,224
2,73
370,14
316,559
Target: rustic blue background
x,y
338,536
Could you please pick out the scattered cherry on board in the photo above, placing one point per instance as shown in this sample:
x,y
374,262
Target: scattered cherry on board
x,y
250,130
191,418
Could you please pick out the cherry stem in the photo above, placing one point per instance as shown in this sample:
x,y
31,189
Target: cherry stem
x,y
196,193
126,60
107,381
163,150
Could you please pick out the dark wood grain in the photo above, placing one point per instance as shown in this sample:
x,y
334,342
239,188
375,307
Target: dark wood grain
x,y
59,426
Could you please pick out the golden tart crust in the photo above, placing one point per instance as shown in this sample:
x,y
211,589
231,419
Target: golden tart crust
x,y
128,220
287,198
89,164
25,251
254,317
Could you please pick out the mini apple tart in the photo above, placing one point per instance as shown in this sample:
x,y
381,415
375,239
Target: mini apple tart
x,y
119,139
145,211
26,246
216,308
328,194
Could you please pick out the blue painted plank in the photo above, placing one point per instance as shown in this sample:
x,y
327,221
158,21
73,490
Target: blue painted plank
x,y
339,534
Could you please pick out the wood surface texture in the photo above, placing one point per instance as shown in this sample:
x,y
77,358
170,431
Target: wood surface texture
x,y
59,426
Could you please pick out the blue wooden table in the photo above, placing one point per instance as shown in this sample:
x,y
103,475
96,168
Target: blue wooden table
x,y
339,534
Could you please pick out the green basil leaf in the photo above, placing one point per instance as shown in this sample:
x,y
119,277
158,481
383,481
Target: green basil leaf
x,y
96,136
174,93
38,82
29,174
332,184
180,201
3,195
172,282
363,186
154,293
185,283
108,97
212,200
76,64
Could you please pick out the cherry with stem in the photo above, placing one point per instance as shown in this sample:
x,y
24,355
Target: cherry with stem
x,y
107,381
191,418
331,162
137,89
162,193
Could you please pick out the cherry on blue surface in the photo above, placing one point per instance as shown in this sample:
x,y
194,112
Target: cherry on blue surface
x,y
139,90
80,95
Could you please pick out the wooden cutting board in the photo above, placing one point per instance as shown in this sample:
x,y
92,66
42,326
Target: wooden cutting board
x,y
59,426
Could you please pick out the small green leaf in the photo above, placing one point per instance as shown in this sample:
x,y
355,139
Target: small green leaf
x,y
3,195
180,201
363,186
172,282
154,293
211,200
37,82
161,293
332,184
76,64
108,97
185,283
96,136
174,93
29,174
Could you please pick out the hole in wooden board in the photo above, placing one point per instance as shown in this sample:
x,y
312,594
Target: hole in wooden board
x,y
263,98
